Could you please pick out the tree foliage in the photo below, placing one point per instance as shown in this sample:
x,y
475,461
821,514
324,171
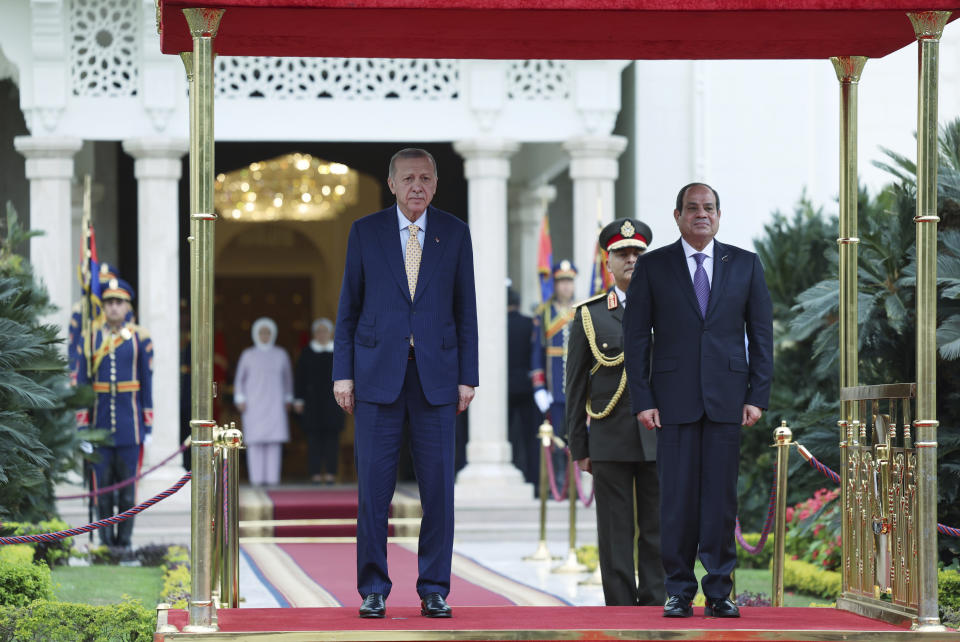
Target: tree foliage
x,y
805,291
40,442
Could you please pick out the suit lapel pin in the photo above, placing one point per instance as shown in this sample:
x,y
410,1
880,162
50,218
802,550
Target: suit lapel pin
x,y
724,258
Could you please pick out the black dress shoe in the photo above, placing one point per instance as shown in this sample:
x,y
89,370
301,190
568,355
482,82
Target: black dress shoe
x,y
720,607
373,606
433,605
676,606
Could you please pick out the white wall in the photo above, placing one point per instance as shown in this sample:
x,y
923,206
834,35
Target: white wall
x,y
763,131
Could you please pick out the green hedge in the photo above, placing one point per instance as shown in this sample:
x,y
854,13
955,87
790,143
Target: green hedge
x,y
66,622
21,584
805,577
948,586
53,553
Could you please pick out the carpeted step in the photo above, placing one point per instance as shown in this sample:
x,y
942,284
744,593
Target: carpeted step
x,y
313,503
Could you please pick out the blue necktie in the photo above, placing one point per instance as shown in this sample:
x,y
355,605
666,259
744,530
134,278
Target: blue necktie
x,y
701,285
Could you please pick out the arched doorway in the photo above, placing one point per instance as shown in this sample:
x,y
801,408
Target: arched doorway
x,y
289,270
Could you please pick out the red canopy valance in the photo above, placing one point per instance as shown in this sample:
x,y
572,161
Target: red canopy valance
x,y
553,29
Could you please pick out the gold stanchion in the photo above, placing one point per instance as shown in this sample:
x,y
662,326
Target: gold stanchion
x,y
594,579
782,438
546,438
928,27
231,441
848,70
571,565
203,25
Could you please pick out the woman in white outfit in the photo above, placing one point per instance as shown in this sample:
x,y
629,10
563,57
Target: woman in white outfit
x,y
263,392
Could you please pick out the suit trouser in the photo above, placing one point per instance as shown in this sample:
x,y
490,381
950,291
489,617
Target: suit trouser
x,y
698,464
378,435
264,462
117,464
523,423
616,485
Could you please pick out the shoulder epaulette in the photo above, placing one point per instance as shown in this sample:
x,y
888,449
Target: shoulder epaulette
x,y
595,297
140,330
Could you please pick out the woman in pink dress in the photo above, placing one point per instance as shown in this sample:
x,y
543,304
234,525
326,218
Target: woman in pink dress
x,y
263,392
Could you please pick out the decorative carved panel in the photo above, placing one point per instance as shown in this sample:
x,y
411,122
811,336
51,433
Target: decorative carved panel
x,y
538,80
104,47
338,78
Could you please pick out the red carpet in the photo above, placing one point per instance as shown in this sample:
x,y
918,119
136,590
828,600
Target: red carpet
x,y
319,503
586,623
334,566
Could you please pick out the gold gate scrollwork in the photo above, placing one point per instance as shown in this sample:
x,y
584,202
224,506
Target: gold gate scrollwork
x,y
879,498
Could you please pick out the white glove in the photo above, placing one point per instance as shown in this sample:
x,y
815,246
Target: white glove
x,y
543,399
86,447
147,438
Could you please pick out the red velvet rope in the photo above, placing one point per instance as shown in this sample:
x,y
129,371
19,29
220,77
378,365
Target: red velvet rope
x,y
125,482
551,476
86,528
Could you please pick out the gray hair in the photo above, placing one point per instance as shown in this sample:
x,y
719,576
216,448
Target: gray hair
x,y
410,152
326,323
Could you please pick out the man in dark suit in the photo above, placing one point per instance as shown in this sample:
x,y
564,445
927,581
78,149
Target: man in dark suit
x,y
697,380
523,418
405,351
619,453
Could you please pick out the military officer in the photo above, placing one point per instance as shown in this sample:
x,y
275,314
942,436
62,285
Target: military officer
x,y
122,379
551,328
605,436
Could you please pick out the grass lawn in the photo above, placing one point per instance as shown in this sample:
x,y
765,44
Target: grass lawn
x,y
758,580
99,585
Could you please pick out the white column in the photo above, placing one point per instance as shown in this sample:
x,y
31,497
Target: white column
x,y
489,473
157,168
49,169
593,169
531,206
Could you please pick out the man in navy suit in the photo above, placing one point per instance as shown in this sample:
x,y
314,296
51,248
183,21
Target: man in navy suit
x,y
405,352
698,337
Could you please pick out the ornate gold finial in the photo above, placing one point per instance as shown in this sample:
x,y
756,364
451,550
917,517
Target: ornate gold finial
x,y
928,25
848,68
203,23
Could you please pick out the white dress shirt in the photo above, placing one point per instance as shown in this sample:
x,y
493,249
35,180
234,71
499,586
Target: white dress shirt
x,y
621,295
405,224
689,251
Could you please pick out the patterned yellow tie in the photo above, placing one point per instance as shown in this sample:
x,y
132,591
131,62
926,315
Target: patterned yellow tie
x,y
412,261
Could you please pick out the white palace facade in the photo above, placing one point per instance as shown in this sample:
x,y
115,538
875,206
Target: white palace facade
x,y
87,91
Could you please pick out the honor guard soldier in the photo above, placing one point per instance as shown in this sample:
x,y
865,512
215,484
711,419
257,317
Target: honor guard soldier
x,y
605,437
551,327
75,336
121,372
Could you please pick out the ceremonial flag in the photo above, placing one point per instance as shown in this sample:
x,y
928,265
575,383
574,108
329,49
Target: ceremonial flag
x,y
91,308
545,260
600,278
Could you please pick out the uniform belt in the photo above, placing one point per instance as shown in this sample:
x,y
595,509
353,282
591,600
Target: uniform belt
x,y
555,351
114,387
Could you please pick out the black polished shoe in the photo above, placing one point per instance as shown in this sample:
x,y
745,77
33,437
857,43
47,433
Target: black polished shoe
x,y
373,606
433,605
676,606
720,607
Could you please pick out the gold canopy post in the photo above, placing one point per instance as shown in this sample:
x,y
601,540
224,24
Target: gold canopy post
x,y
203,24
928,27
848,70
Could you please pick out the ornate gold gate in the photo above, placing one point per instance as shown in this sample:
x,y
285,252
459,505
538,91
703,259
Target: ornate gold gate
x,y
879,497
